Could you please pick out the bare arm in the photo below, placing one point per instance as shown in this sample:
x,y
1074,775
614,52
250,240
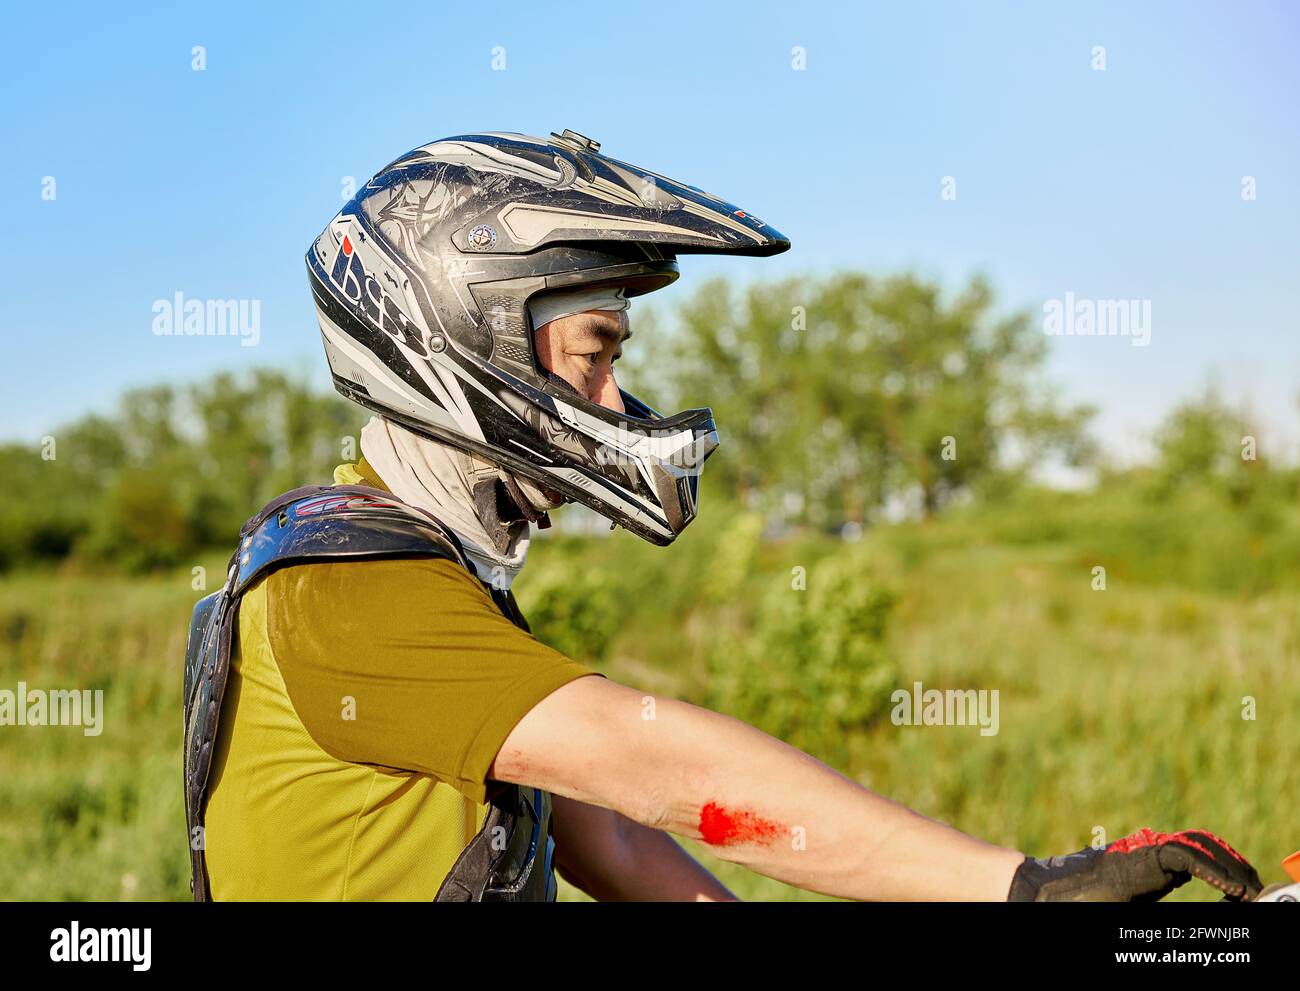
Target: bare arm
x,y
755,800
612,858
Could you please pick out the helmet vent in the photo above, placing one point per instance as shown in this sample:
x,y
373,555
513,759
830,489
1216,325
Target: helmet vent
x,y
513,352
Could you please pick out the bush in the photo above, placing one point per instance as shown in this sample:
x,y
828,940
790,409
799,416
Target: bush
x,y
572,608
813,670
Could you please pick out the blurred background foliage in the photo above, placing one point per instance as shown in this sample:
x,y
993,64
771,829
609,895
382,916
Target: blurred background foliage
x,y
839,556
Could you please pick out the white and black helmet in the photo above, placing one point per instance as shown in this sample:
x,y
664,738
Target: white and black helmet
x,y
422,284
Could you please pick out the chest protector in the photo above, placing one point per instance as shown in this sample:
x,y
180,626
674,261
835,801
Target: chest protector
x,y
510,858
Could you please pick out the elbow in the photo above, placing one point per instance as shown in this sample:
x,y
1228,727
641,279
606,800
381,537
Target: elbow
x,y
671,796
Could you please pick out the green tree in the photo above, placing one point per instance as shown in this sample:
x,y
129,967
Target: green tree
x,y
836,396
173,470
1206,444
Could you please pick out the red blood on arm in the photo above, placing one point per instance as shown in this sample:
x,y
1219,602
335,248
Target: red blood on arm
x,y
720,826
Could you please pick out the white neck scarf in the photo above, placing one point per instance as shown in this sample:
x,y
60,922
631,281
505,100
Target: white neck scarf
x,y
440,479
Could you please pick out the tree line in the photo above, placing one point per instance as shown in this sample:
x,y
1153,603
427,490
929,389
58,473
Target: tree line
x,y
836,398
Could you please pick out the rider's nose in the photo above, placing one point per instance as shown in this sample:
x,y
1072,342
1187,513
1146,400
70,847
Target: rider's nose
x,y
607,394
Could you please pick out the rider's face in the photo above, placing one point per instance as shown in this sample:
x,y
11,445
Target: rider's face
x,y
582,349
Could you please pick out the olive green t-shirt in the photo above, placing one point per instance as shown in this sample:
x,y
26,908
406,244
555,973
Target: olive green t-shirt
x,y
365,704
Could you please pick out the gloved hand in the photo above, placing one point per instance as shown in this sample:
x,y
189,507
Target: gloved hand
x,y
1143,867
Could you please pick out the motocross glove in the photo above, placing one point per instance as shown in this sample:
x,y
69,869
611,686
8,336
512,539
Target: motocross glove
x,y
1143,867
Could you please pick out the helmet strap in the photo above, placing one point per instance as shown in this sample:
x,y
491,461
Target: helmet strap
x,y
497,513
522,503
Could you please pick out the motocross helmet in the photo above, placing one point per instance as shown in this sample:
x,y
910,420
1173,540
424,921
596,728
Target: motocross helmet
x,y
422,284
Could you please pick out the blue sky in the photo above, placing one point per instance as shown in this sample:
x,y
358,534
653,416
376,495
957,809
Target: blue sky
x,y
1115,184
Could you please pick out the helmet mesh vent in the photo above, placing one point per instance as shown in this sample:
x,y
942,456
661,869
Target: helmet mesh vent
x,y
511,352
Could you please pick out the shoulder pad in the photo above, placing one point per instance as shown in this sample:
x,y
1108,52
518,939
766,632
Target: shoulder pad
x,y
338,522
200,620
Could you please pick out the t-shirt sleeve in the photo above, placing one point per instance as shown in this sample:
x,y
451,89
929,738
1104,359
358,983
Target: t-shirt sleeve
x,y
407,664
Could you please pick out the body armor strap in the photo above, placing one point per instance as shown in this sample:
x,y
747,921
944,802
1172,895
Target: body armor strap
x,y
510,858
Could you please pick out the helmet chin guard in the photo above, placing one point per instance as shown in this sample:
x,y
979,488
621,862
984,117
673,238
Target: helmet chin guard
x,y
421,285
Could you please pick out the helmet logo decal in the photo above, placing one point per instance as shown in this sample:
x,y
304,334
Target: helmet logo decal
x,y
372,300
482,237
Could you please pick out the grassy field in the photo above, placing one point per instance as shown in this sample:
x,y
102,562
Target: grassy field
x,y
1118,708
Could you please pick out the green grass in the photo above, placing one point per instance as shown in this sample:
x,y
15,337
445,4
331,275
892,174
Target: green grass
x,y
1118,708
95,817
